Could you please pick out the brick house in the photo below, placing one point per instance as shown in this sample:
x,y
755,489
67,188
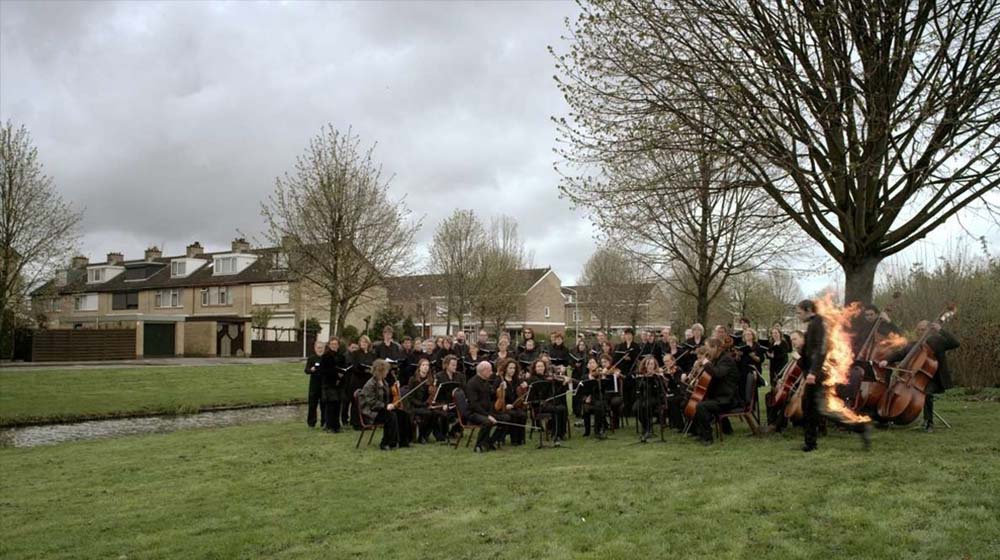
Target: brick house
x,y
651,311
195,304
539,304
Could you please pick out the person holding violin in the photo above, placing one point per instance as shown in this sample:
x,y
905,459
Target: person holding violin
x,y
814,398
593,400
480,395
675,393
429,421
940,342
615,402
721,396
379,406
509,379
648,396
555,407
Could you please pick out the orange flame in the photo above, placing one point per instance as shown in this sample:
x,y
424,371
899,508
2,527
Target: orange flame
x,y
891,343
839,357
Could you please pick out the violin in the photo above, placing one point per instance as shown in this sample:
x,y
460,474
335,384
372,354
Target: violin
x,y
397,401
904,398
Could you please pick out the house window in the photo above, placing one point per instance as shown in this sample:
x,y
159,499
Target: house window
x,y
548,312
225,265
85,302
216,296
167,298
280,261
576,315
178,268
95,275
53,306
125,300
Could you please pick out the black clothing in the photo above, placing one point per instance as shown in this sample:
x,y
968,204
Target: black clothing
x,y
333,371
814,350
480,395
442,377
778,359
649,399
690,351
722,394
361,368
940,342
748,366
315,394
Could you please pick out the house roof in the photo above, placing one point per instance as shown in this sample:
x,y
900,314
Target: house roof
x,y
582,293
420,286
261,271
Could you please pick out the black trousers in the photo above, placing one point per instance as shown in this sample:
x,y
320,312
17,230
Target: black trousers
x,y
315,398
705,413
617,406
431,422
646,410
810,413
396,428
331,414
519,417
558,413
489,433
595,413
675,412
929,409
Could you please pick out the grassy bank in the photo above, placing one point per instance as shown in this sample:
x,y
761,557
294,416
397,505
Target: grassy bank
x,y
67,395
283,491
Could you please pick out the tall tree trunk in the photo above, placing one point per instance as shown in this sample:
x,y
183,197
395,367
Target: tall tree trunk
x,y
859,278
701,310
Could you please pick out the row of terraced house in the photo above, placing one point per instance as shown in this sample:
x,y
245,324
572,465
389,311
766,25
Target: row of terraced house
x,y
203,303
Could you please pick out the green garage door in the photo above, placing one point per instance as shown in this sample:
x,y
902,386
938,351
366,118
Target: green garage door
x,y
158,339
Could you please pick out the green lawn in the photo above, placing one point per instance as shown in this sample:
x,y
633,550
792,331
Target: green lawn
x,y
77,394
283,491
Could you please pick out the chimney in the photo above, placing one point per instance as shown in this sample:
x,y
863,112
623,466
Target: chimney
x,y
79,261
194,250
116,258
153,253
240,245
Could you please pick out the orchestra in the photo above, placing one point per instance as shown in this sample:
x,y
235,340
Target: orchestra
x,y
426,389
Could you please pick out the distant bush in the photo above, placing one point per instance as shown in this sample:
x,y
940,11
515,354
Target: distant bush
x,y
973,283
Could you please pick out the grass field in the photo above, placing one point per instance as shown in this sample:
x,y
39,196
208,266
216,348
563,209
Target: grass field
x,y
74,394
283,491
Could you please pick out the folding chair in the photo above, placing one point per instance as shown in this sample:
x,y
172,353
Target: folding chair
x,y
747,412
461,412
364,426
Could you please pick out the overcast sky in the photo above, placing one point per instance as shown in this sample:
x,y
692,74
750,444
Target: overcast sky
x,y
168,122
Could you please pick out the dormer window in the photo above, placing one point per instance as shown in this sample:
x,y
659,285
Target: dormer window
x,y
225,265
95,275
178,268
280,261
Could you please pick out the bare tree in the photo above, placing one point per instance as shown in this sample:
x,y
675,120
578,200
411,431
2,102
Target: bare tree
x,y
615,287
343,231
453,254
496,285
868,124
38,229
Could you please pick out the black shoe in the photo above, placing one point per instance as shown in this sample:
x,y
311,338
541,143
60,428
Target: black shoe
x,y
808,448
479,449
384,447
586,434
929,428
557,442
866,437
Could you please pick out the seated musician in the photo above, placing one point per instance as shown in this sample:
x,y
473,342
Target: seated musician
x,y
722,390
940,342
479,393
751,356
675,393
429,420
593,401
449,374
555,407
776,420
510,374
377,407
648,396
615,402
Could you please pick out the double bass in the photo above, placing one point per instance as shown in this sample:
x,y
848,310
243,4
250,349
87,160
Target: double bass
x,y
904,398
871,352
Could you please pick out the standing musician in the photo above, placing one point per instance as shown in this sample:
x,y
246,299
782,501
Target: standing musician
x,y
663,345
315,394
529,353
449,371
647,344
480,395
814,398
614,401
675,393
377,406
776,353
940,342
691,345
361,365
648,396
503,349
429,421
578,359
509,376
558,351
460,348
598,347
334,367
593,400
483,341
408,365
718,362
526,335
472,358
390,351
627,357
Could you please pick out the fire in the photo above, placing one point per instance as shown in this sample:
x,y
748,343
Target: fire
x,y
891,343
839,357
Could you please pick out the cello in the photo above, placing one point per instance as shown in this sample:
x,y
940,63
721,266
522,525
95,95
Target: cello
x,y
698,387
904,397
793,410
785,384
871,352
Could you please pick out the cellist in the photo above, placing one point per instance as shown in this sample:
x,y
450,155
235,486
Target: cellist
x,y
718,362
776,420
940,342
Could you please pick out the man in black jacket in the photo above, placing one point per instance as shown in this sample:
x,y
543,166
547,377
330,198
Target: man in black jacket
x,y
940,341
315,395
480,395
814,398
722,390
334,369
